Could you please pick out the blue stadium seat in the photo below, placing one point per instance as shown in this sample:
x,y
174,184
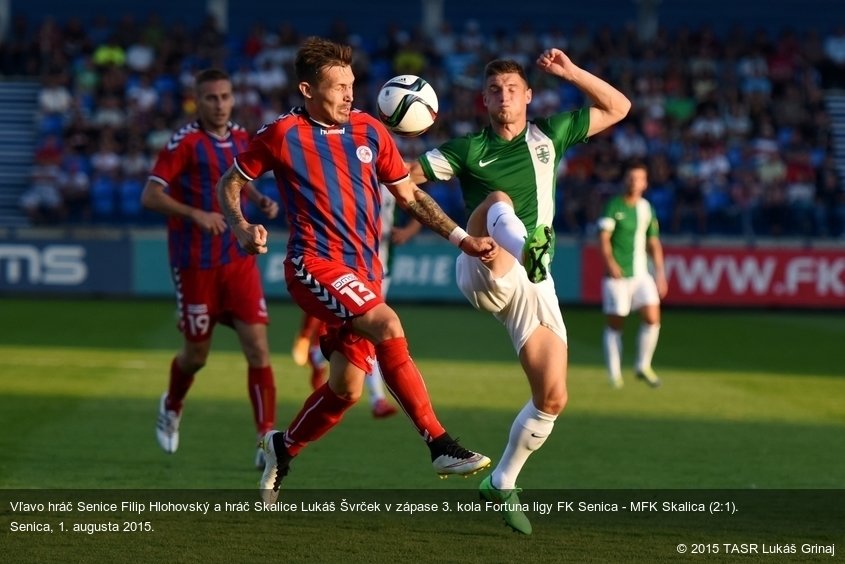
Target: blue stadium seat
x,y
103,198
51,124
130,199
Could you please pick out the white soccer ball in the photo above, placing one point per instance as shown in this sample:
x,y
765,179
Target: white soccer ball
x,y
407,105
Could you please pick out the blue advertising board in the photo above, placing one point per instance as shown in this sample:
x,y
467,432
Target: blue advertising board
x,y
72,266
137,265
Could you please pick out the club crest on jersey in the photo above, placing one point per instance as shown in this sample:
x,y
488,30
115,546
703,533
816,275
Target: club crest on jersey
x,y
543,153
365,154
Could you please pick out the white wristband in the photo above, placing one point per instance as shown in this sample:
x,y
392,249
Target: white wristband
x,y
457,236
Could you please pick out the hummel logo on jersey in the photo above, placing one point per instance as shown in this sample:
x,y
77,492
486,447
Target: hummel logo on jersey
x,y
179,135
482,163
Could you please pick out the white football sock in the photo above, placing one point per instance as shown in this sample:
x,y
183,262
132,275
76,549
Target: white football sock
x,y
647,344
613,353
506,229
375,384
528,433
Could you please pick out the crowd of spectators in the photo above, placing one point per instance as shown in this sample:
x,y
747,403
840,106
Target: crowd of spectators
x,y
733,126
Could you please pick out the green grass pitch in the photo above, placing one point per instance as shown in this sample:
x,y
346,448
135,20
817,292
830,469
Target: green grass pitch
x,y
751,401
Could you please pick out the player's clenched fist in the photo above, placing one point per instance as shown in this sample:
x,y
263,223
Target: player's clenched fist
x,y
484,248
556,62
251,238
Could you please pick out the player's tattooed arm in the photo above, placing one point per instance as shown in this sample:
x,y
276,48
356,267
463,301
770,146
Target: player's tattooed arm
x,y
229,195
251,238
424,209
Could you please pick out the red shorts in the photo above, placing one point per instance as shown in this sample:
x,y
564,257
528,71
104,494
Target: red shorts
x,y
222,294
334,293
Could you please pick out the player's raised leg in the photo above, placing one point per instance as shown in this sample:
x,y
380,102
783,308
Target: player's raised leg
x,y
496,217
536,253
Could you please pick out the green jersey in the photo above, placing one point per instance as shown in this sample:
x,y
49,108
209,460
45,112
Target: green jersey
x,y
630,226
525,168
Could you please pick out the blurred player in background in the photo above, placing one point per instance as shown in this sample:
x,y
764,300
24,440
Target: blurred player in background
x,y
507,173
629,234
306,349
306,343
215,280
328,160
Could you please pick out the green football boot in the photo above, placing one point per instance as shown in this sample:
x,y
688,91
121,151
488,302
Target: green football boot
x,y
511,512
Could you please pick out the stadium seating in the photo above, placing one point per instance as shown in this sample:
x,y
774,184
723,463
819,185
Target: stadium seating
x,y
730,114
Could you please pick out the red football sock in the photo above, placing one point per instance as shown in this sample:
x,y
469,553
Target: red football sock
x,y
180,383
321,411
262,395
406,384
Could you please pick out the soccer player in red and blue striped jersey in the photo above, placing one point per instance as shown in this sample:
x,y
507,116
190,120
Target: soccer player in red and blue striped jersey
x,y
328,160
215,279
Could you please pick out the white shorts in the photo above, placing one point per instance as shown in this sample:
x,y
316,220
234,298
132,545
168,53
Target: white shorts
x,y
512,299
621,295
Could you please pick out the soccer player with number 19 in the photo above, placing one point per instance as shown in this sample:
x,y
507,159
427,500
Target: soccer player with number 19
x,y
328,160
215,280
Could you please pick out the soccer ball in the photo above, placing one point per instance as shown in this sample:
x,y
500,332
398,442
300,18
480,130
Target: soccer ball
x,y
407,105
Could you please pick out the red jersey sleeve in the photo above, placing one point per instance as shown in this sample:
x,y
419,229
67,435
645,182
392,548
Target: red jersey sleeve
x,y
390,166
260,154
171,161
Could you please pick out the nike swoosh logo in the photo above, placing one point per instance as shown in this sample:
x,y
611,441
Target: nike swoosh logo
x,y
539,436
482,163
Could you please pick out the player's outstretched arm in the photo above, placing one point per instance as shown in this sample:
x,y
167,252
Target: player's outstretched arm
x,y
424,209
610,105
252,238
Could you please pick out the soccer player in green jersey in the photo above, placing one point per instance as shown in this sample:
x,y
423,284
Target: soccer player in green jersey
x,y
629,233
507,173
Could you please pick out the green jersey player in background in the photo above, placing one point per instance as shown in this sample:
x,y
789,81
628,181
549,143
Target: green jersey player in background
x,y
628,233
507,173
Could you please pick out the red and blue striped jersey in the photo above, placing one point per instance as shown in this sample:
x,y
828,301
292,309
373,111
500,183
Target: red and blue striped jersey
x,y
189,166
328,180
